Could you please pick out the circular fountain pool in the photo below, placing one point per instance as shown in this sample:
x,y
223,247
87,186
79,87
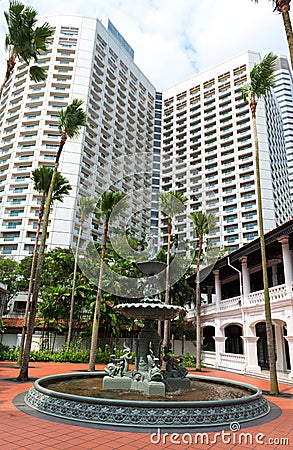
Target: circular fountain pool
x,y
209,402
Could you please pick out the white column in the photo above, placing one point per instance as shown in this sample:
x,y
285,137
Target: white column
x,y
218,288
251,354
280,347
290,345
287,259
245,276
275,274
220,348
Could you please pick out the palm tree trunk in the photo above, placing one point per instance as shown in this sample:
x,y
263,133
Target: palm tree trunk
x,y
9,69
30,288
97,312
274,389
289,33
198,307
166,339
23,374
73,287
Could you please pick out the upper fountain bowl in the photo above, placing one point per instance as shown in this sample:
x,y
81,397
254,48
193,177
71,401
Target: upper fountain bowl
x,y
151,267
149,309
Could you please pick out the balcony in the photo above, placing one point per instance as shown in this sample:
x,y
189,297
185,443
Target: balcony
x,y
277,293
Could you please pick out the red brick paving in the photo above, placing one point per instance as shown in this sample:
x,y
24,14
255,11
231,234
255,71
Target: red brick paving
x,y
21,431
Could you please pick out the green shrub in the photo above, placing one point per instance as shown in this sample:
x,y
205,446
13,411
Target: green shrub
x,y
189,360
41,355
7,353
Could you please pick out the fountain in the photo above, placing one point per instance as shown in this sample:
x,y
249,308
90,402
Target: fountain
x,y
147,396
147,377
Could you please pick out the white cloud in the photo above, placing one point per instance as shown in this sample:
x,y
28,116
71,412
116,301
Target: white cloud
x,y
173,40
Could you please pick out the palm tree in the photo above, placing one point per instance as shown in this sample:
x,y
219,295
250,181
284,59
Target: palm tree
x,y
24,40
86,207
104,209
261,82
42,179
283,7
203,224
171,204
71,120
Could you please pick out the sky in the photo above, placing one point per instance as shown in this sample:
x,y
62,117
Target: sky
x,y
173,40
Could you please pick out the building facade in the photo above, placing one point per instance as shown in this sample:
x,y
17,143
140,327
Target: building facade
x,y
284,94
207,154
233,314
89,62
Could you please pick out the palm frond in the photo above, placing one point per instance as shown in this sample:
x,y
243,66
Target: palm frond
x,y
72,118
262,76
246,91
37,73
24,40
61,188
86,206
107,202
172,203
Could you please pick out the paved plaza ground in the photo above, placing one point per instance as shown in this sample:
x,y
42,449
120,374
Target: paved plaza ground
x,y
19,430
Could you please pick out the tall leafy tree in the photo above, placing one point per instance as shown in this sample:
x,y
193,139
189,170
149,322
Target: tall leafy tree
x,y
86,207
42,178
283,7
71,120
25,41
104,209
171,204
9,276
203,224
262,80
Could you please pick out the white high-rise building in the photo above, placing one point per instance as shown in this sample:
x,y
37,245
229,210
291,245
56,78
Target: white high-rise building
x,y
284,93
207,154
89,62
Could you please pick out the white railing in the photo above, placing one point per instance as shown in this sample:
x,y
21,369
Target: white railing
x,y
208,308
277,293
209,358
232,361
230,303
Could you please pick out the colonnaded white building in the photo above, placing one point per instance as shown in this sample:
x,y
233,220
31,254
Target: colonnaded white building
x,y
89,62
207,153
233,315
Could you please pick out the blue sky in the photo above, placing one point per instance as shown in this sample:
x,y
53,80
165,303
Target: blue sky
x,y
174,39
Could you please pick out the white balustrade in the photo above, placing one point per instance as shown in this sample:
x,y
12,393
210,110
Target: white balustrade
x,y
230,303
277,293
232,361
209,358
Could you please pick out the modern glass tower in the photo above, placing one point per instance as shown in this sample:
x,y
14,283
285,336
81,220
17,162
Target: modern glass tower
x,y
207,154
95,64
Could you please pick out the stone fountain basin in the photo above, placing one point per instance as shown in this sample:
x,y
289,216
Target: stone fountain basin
x,y
149,310
146,413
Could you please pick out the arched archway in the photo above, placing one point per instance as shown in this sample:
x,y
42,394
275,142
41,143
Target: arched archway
x,y
233,343
208,338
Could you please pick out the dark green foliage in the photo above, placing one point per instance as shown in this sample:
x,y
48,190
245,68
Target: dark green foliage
x,y
7,353
189,360
72,355
9,276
